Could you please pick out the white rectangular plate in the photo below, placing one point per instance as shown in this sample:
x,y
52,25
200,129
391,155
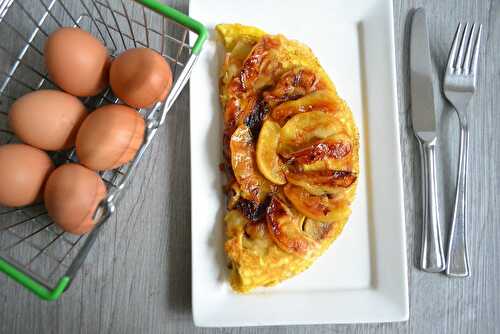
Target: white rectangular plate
x,y
362,277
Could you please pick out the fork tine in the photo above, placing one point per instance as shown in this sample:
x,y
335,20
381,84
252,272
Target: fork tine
x,y
453,51
468,53
461,52
475,57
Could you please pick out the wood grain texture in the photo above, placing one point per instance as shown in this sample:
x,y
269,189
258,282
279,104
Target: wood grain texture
x,y
137,277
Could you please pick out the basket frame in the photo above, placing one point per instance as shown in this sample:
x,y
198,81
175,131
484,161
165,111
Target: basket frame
x,y
154,118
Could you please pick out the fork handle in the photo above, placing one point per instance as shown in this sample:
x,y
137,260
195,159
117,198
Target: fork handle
x,y
432,256
458,259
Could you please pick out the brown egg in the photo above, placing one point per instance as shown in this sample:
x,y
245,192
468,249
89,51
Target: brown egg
x,y
140,77
109,137
71,196
47,119
23,172
77,61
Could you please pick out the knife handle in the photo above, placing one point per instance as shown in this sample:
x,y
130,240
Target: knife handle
x,y
432,257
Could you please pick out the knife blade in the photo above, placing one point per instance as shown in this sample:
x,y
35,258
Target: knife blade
x,y
424,126
422,86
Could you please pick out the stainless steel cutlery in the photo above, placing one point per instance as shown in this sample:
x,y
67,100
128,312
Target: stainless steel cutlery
x,y
459,86
424,126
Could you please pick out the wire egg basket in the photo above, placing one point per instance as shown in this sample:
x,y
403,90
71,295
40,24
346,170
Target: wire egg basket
x,y
33,250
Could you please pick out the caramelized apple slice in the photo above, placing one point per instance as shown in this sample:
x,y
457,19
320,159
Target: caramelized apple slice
x,y
346,163
322,182
304,129
336,147
254,67
234,59
338,152
267,157
257,230
325,208
285,228
318,230
292,85
321,100
254,187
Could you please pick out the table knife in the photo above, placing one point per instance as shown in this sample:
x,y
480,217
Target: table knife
x,y
424,126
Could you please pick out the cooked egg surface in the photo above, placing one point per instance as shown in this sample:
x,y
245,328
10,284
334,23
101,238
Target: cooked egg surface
x,y
23,172
47,119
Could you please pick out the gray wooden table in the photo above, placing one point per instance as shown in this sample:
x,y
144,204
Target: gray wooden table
x,y
137,279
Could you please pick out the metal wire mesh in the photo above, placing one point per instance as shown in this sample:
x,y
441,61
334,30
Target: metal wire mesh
x,y
28,238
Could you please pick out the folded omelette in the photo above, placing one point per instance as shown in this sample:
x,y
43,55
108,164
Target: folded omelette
x,y
291,159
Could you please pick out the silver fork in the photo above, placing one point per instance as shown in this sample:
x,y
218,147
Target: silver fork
x,y
459,86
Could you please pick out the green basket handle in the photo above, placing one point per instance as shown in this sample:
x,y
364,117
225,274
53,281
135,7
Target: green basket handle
x,y
180,18
32,285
